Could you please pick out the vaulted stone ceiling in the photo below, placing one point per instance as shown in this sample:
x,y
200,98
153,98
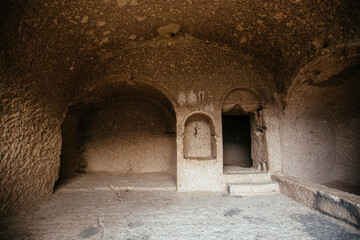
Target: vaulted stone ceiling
x,y
54,54
62,41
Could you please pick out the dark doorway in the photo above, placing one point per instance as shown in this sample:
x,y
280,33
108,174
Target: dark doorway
x,y
236,141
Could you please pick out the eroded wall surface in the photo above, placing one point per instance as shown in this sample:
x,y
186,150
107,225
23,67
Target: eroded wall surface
x,y
54,53
30,147
320,128
194,80
130,137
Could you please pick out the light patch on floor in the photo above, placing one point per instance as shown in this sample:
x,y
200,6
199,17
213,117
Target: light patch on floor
x,y
105,181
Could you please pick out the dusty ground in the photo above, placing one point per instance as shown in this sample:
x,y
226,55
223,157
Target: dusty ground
x,y
94,212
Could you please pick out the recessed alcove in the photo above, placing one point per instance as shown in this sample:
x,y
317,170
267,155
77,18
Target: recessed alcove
x,y
199,138
125,130
321,129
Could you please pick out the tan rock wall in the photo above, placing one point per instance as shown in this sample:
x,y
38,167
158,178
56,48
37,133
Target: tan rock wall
x,y
59,54
134,136
30,148
191,74
320,129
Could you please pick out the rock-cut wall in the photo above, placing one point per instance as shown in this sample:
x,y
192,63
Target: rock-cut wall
x,y
195,74
320,127
30,147
134,136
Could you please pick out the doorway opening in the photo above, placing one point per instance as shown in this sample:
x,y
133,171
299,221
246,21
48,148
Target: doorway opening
x,y
236,141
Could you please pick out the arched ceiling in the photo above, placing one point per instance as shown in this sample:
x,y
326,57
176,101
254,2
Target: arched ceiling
x,y
109,93
61,39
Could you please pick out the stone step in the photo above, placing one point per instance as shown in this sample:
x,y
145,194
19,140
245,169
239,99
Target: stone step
x,y
247,177
258,188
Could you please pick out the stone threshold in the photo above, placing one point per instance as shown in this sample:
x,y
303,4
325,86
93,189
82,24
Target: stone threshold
x,y
332,202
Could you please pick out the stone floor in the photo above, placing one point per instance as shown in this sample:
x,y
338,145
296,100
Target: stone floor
x,y
105,181
75,211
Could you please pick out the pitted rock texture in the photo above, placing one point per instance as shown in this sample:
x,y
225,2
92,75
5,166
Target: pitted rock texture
x,y
30,149
62,53
68,37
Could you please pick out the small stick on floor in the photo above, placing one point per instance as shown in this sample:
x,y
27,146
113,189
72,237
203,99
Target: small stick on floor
x,y
117,193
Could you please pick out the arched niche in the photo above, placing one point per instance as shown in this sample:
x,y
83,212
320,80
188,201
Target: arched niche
x,y
320,124
199,137
243,131
120,128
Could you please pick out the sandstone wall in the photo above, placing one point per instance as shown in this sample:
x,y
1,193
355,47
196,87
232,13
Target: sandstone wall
x,y
194,76
59,54
130,137
30,146
320,127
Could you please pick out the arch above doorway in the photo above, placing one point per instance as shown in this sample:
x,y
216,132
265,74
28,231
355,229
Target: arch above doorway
x,y
243,99
244,144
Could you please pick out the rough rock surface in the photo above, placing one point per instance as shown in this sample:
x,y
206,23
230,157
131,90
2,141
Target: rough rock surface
x,y
63,53
321,119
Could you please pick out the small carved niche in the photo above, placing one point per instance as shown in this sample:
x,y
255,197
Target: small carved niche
x,y
199,138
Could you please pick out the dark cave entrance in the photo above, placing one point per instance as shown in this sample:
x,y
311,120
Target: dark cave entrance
x,y
236,141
